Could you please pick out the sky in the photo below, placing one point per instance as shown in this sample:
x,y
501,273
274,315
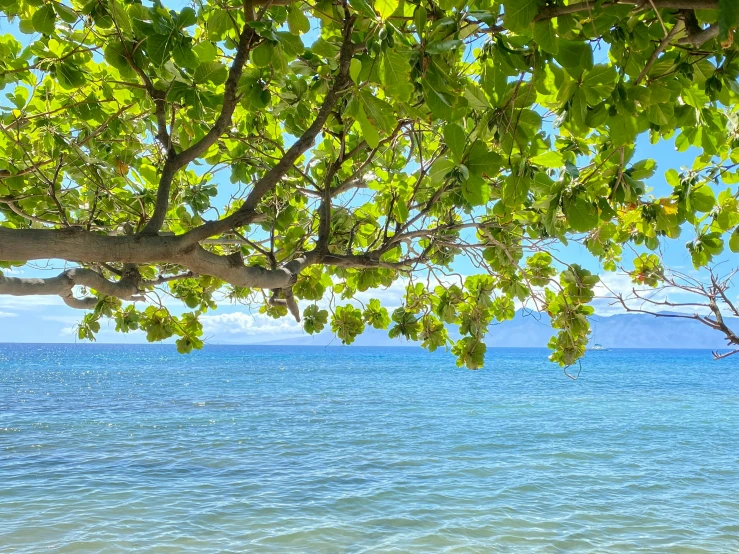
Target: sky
x,y
48,319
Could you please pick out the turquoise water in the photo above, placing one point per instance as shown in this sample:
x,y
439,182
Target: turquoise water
x,y
262,449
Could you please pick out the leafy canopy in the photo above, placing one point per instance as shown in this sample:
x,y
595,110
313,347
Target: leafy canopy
x,y
301,153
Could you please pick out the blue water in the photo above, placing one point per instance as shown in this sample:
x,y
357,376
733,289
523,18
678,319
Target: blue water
x,y
280,449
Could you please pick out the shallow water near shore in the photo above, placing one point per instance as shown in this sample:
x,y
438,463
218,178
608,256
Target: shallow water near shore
x,y
111,448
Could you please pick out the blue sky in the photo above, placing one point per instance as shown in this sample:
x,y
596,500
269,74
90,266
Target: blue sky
x,y
48,319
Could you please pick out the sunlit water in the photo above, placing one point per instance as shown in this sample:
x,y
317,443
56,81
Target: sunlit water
x,y
258,449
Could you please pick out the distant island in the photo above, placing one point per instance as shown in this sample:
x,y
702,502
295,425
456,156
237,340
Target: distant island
x,y
532,329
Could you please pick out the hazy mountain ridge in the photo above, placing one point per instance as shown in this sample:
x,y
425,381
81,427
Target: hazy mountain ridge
x,y
528,329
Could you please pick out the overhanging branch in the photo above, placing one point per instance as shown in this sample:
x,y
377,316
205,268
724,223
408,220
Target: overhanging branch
x,y
88,248
63,285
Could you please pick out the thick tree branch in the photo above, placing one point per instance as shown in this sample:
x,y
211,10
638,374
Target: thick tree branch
x,y
86,247
63,284
697,40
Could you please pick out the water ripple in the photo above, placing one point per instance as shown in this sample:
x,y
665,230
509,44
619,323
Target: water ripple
x,y
118,449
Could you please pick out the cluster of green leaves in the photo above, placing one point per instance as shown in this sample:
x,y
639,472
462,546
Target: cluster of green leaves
x,y
486,129
157,322
569,310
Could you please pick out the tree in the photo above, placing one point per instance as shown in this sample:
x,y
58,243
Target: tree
x,y
196,151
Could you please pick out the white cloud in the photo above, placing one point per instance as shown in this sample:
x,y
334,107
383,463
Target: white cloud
x,y
239,323
8,314
610,285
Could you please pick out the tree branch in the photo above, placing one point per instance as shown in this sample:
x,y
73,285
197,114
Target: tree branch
x,y
246,213
86,247
196,150
679,25
63,284
697,40
24,215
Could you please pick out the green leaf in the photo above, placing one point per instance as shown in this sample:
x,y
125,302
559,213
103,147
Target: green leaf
x,y
375,315
546,37
476,191
115,55
386,8
44,19
433,333
575,56
262,55
121,18
159,48
551,158
218,24
347,323
314,319
378,112
70,76
440,169
362,7
470,352
672,177
734,241
369,131
481,161
210,72
702,199
205,51
297,22
185,345
186,18
660,114
623,129
291,44
581,214
355,68
519,14
443,46
598,83
455,139
406,324
515,190
440,103
65,13
395,74
475,97
494,82
400,211
185,56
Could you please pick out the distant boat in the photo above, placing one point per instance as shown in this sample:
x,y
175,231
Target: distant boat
x,y
599,347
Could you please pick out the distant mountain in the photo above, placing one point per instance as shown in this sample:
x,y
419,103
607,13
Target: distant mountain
x,y
529,329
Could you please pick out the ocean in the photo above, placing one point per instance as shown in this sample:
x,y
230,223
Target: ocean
x,y
113,448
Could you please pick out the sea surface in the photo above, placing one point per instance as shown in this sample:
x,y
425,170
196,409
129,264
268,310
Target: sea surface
x,y
112,448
